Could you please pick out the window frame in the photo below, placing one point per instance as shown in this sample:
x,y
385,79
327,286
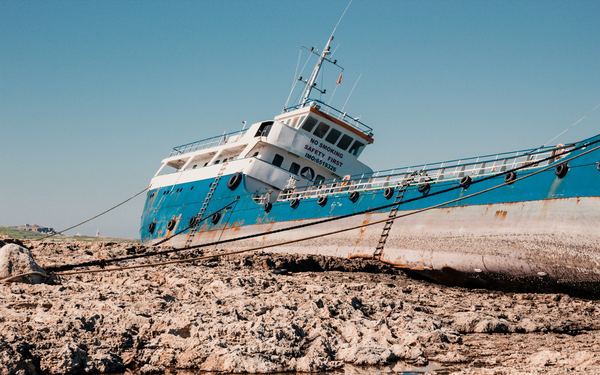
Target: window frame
x,y
327,127
295,166
358,150
333,131
306,122
276,157
350,142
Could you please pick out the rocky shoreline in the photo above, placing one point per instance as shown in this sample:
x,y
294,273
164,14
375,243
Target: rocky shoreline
x,y
265,313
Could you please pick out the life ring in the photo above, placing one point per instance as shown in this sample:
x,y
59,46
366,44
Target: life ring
x,y
354,196
510,177
194,221
152,227
561,170
388,192
424,188
215,217
322,201
294,203
268,207
234,181
171,224
465,182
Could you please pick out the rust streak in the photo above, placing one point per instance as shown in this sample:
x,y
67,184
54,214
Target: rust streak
x,y
501,214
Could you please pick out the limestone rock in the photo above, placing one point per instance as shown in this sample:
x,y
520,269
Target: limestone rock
x,y
15,260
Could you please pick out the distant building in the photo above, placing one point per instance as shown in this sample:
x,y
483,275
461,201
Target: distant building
x,y
36,228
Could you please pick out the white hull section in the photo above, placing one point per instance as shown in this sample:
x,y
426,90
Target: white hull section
x,y
556,239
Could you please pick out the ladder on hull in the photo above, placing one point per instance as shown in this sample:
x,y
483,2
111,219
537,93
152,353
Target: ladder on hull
x,y
199,216
391,216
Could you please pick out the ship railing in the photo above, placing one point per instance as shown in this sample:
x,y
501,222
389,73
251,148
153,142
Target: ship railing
x,y
438,172
208,142
344,116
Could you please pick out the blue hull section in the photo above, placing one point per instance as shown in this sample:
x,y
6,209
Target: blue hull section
x,y
182,202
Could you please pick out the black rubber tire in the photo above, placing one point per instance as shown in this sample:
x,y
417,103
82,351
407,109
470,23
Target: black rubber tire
x,y
234,181
322,201
465,182
215,217
424,188
171,224
268,207
598,166
510,177
194,221
152,227
388,193
354,196
561,170
294,203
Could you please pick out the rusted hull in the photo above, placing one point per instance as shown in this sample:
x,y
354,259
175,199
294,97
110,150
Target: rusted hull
x,y
551,243
540,229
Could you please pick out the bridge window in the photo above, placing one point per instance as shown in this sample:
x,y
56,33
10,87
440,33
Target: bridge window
x,y
333,136
356,148
277,160
344,142
264,129
294,168
309,124
321,130
166,169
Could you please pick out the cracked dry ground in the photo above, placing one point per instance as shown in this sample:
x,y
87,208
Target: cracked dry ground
x,y
240,314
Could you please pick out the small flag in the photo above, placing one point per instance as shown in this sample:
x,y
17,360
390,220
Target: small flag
x,y
339,80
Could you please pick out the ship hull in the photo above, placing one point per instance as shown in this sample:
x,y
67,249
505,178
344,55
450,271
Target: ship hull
x,y
541,232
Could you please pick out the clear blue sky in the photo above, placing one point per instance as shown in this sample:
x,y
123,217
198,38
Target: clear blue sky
x,y
94,93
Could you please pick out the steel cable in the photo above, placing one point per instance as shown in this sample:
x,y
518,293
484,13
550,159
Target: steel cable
x,y
104,262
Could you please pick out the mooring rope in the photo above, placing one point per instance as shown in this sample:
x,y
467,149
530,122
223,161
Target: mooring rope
x,y
262,247
95,216
62,269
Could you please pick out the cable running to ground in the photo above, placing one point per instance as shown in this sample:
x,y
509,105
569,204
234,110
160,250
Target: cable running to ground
x,y
104,262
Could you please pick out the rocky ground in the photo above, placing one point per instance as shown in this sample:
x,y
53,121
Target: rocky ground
x,y
275,313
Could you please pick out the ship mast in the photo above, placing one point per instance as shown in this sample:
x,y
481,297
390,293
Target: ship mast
x,y
312,81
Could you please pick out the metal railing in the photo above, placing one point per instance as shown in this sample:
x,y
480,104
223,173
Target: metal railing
x,y
208,142
326,108
435,172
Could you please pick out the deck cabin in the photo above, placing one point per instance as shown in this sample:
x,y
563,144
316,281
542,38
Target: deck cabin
x,y
302,146
306,144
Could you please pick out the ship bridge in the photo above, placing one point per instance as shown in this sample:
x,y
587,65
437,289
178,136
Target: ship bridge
x,y
306,144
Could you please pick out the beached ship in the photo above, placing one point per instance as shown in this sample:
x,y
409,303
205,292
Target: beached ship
x,y
529,216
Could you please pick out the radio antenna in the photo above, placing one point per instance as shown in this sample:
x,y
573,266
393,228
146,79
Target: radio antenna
x,y
311,82
351,91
